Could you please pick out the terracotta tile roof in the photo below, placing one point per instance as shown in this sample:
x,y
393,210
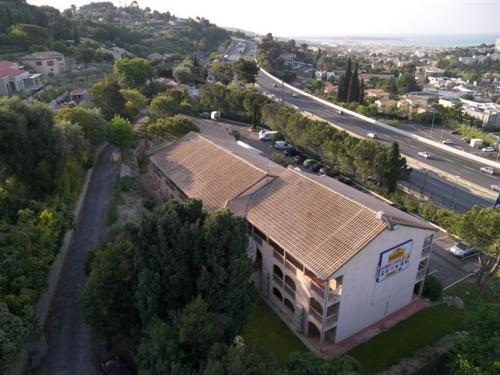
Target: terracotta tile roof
x,y
201,169
4,64
318,220
10,72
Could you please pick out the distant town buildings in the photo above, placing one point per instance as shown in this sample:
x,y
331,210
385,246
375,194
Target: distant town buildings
x,y
13,79
117,52
46,62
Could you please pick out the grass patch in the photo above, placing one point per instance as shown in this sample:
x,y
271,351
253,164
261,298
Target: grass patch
x,y
267,332
401,341
471,293
112,214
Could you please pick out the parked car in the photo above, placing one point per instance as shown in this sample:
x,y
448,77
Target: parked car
x,y
466,140
300,158
345,180
462,250
116,365
291,152
205,115
312,165
372,135
488,149
495,187
447,142
266,135
425,154
454,132
489,170
281,145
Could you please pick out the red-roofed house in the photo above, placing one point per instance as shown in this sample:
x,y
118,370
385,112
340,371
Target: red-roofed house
x,y
13,79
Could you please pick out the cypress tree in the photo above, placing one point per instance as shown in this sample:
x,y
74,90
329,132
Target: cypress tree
x,y
362,91
353,90
347,80
340,89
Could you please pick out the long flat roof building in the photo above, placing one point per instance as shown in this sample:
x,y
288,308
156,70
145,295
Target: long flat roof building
x,y
330,259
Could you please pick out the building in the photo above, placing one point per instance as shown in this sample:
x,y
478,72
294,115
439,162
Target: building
x,y
329,259
497,45
13,78
47,62
117,52
78,96
488,112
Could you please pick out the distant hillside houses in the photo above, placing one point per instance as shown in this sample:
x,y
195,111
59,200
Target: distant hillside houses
x,y
14,79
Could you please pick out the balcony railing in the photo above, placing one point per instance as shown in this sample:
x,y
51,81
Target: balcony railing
x,y
316,315
291,267
330,320
333,294
277,279
421,274
289,291
426,251
278,257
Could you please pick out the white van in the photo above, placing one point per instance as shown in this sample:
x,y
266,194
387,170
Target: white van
x,y
266,135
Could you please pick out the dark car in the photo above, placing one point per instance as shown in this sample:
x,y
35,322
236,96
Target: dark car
x,y
116,365
345,180
315,167
205,115
291,152
300,158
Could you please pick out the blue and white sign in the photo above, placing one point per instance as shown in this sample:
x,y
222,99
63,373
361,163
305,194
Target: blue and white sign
x,y
394,260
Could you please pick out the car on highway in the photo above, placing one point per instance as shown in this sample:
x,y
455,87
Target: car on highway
x,y
266,135
281,145
489,170
447,142
425,154
275,85
495,188
340,112
462,250
291,152
294,95
116,365
488,149
372,135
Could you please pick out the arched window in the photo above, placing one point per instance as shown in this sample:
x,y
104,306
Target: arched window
x,y
278,272
289,286
277,293
289,305
315,305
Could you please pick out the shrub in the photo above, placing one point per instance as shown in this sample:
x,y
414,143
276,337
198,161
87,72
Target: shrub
x,y
433,288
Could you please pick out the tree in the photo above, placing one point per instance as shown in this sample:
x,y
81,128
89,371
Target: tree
x,y
361,97
395,164
89,120
253,103
477,354
479,226
106,95
107,299
310,364
135,102
30,147
246,71
120,133
181,347
170,128
236,359
167,103
12,333
353,90
134,72
406,83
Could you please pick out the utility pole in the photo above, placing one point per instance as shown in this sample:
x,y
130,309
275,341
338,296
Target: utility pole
x,y
432,125
282,90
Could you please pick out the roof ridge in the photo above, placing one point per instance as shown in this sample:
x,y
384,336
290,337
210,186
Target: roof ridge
x,y
333,191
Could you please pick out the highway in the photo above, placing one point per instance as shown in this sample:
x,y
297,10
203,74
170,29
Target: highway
x,y
463,170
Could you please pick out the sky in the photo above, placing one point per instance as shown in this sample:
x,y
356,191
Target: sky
x,y
333,17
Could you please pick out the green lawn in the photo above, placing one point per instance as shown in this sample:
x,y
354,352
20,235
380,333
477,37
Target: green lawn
x,y
401,341
470,293
266,331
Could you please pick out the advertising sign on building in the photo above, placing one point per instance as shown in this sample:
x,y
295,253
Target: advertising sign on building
x,y
394,260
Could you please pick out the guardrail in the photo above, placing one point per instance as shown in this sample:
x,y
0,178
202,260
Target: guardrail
x,y
387,127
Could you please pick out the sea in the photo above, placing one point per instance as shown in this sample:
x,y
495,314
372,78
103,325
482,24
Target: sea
x,y
438,41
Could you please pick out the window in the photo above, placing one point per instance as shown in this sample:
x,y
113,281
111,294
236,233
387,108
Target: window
x,y
313,303
277,294
289,305
428,241
50,63
278,272
290,286
38,63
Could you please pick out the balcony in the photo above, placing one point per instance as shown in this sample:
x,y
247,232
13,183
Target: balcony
x,y
421,274
278,280
426,251
278,257
316,315
289,291
291,267
333,294
332,319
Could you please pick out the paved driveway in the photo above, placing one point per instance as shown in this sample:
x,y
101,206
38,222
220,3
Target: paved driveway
x,y
72,346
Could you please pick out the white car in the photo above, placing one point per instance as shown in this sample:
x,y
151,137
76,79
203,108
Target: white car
x,y
372,135
281,145
489,170
425,154
447,142
488,149
267,135
495,188
294,95
462,250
